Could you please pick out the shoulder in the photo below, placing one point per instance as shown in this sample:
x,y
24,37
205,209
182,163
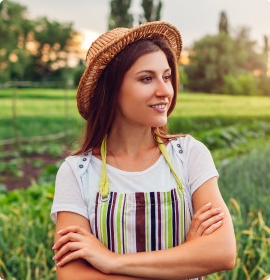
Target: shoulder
x,y
187,144
79,163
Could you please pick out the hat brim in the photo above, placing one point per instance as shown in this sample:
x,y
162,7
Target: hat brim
x,y
104,49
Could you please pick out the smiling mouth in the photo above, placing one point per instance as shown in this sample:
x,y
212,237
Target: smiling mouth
x,y
159,106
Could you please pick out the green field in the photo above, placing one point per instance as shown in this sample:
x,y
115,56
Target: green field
x,y
236,129
47,111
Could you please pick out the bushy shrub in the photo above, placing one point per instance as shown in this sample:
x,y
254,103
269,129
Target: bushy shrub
x,y
264,85
244,84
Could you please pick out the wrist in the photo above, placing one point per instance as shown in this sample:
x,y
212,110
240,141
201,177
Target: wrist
x,y
116,264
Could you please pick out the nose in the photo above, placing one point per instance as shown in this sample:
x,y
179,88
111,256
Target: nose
x,y
164,88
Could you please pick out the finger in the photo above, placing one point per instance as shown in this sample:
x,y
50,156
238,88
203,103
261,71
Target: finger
x,y
209,223
68,237
213,228
203,208
73,228
72,255
203,215
68,248
197,219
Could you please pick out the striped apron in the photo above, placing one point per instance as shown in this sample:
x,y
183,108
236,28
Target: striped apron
x,y
139,222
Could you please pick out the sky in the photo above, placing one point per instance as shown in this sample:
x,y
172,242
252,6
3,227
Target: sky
x,y
193,18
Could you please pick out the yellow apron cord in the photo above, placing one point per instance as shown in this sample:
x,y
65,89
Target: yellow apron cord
x,y
104,181
164,152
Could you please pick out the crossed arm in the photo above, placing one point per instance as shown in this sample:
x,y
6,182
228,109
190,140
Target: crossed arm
x,y
210,247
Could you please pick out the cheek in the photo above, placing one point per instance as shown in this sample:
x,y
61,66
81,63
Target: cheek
x,y
173,98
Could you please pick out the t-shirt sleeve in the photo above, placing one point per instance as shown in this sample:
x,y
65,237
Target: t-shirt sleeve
x,y
67,196
200,165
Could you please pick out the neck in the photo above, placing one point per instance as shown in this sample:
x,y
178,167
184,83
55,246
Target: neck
x,y
130,142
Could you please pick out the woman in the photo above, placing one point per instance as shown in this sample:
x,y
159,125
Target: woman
x,y
124,202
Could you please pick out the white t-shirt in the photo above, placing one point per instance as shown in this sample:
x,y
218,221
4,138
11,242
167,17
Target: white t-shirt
x,y
77,180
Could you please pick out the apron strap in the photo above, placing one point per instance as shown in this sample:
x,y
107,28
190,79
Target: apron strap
x,y
104,188
164,152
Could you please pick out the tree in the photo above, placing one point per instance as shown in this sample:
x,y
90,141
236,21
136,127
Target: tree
x,y
151,10
266,50
223,23
219,59
253,61
211,58
119,15
53,41
14,30
215,57
31,49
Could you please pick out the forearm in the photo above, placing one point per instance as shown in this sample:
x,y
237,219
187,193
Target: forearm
x,y
81,270
198,257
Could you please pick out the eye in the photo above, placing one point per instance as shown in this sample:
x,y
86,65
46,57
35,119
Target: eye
x,y
167,77
146,79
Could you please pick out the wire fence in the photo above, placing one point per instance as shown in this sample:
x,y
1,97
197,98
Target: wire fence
x,y
13,108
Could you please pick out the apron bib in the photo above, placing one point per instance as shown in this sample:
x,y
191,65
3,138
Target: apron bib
x,y
142,221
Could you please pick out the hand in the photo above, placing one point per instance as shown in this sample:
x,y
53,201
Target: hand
x,y
78,243
205,221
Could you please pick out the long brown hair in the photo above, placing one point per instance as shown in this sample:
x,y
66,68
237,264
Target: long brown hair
x,y
103,102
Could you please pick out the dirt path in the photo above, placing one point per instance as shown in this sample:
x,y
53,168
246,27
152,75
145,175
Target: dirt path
x,y
24,171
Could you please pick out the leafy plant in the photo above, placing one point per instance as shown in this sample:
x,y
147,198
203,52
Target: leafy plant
x,y
26,234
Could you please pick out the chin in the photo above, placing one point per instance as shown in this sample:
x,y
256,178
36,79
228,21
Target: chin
x,y
160,123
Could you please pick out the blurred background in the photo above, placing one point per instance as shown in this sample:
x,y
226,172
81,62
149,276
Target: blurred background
x,y
223,100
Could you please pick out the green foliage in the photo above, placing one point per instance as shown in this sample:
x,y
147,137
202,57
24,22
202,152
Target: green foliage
x,y
54,40
210,60
151,10
119,14
77,74
264,85
26,234
240,85
231,136
39,112
253,245
50,38
246,178
235,128
183,77
14,27
215,57
196,113
223,23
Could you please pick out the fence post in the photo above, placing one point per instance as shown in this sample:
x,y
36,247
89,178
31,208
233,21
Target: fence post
x,y
14,116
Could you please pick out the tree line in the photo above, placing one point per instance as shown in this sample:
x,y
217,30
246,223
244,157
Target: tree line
x,y
32,49
228,62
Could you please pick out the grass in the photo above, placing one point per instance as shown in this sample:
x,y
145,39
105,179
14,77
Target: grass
x,y
26,234
247,179
26,238
213,105
235,128
49,110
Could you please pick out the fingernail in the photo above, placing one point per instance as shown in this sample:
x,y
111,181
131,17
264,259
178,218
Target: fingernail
x,y
208,204
221,214
53,247
218,209
60,231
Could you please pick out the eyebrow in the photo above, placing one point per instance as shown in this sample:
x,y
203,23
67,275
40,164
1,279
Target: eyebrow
x,y
152,71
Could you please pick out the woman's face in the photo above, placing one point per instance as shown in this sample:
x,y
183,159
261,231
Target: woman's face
x,y
146,92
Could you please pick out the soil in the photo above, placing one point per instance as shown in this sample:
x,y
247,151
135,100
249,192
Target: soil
x,y
29,173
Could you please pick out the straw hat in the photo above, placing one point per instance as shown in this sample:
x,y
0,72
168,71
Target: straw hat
x,y
104,49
